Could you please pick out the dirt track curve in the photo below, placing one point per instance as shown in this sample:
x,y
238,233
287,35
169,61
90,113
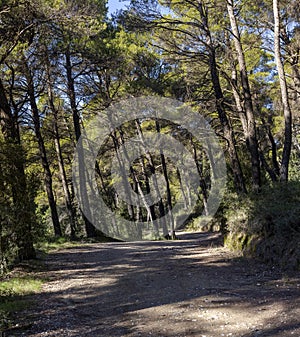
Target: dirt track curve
x,y
188,287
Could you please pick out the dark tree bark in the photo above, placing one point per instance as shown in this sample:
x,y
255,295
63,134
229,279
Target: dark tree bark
x,y
117,142
63,176
89,227
42,150
275,164
137,184
19,187
202,182
224,120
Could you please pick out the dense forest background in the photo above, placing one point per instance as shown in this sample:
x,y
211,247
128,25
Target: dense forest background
x,y
235,62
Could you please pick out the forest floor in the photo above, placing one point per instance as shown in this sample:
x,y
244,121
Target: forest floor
x,y
188,287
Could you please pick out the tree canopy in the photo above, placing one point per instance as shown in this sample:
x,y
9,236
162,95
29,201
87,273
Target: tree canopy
x,y
63,62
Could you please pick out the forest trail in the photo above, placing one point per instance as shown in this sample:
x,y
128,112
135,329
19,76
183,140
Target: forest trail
x,y
188,287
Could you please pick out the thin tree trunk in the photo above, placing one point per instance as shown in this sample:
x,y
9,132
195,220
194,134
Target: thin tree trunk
x,y
284,168
169,195
251,136
202,183
234,85
296,80
42,150
161,207
63,177
68,200
151,213
121,163
90,229
270,171
139,190
276,168
185,198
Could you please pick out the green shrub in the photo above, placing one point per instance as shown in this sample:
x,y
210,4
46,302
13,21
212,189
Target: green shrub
x,y
266,224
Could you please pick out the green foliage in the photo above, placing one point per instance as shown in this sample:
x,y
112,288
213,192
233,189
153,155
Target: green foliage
x,y
267,224
167,53
53,243
13,292
19,286
16,204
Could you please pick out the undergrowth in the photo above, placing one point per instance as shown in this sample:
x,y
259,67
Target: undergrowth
x,y
14,296
266,224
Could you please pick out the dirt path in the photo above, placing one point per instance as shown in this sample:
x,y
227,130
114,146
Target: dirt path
x,y
188,287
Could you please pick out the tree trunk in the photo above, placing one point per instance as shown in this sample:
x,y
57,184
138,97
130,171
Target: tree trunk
x,y
20,194
202,182
276,168
251,137
234,85
225,123
151,215
122,164
138,188
68,200
161,208
169,195
284,168
42,150
89,228
296,80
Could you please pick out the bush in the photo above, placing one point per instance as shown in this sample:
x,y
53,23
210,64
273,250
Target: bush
x,y
267,224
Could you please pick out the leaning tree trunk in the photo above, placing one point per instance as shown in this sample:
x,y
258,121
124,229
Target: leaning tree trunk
x,y
42,150
251,137
284,168
224,120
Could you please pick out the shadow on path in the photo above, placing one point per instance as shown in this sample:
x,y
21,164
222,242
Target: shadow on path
x,y
188,287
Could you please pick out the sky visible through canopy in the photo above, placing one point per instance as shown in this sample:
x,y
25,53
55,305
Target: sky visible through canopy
x,y
114,5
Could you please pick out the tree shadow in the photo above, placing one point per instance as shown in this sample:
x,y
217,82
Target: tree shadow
x,y
137,289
